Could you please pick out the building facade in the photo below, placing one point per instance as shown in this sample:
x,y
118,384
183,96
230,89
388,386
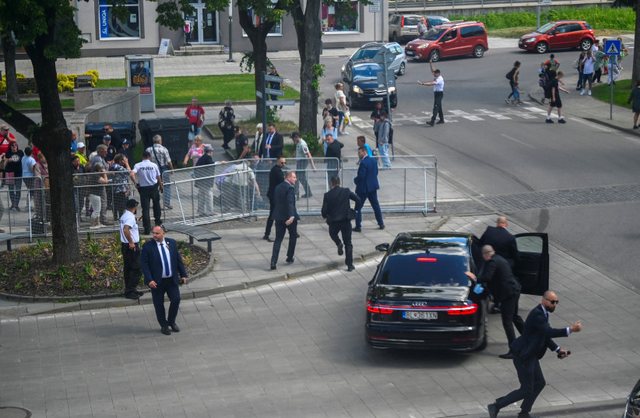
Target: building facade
x,y
345,24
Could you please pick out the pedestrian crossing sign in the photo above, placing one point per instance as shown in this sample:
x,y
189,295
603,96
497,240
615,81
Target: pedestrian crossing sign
x,y
612,47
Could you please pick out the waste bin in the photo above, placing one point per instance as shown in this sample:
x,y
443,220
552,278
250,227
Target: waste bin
x,y
126,130
174,133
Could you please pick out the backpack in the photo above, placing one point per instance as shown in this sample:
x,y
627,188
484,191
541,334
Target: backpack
x,y
510,74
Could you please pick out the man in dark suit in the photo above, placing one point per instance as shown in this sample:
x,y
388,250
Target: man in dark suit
x,y
273,143
497,275
337,211
528,349
367,188
276,176
286,217
163,271
501,240
334,152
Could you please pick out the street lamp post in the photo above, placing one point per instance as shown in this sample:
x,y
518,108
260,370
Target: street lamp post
x,y
230,32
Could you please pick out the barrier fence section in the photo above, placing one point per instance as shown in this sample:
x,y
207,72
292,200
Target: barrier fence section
x,y
213,193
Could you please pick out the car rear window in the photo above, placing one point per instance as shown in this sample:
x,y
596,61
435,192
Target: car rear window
x,y
408,21
425,269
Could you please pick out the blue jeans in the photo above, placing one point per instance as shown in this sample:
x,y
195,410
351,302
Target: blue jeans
x,y
384,155
375,205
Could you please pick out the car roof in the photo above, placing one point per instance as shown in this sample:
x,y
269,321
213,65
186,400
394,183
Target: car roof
x,y
377,45
407,15
456,24
569,21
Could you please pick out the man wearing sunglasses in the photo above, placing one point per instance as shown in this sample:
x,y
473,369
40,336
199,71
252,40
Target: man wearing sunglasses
x,y
528,349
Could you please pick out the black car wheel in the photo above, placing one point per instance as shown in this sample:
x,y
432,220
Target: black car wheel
x,y
478,51
542,47
403,69
434,56
585,44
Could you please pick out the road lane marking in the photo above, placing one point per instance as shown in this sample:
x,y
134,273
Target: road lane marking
x,y
592,125
510,138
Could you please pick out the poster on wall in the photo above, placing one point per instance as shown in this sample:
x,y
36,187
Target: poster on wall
x,y
140,76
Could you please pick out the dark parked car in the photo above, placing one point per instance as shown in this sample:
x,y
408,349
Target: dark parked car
x,y
564,34
365,85
632,409
420,296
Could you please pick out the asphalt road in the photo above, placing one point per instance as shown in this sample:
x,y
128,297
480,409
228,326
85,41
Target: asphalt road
x,y
512,151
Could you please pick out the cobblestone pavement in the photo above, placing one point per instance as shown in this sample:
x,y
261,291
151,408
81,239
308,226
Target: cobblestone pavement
x,y
296,349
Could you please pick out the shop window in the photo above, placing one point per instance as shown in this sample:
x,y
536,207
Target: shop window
x,y
111,27
340,16
276,30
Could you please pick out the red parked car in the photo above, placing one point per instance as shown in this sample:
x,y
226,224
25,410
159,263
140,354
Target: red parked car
x,y
563,34
449,40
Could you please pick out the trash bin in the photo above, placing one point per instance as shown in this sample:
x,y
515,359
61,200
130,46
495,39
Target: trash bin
x,y
127,130
174,133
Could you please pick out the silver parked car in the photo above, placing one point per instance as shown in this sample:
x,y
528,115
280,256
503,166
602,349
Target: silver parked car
x,y
373,51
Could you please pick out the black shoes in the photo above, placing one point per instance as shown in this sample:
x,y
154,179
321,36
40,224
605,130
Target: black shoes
x,y
506,356
132,295
562,121
430,123
139,293
493,410
549,121
357,230
174,327
381,227
273,266
266,238
340,250
440,121
350,267
289,260
165,330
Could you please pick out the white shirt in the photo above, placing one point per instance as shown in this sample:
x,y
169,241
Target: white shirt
x,y
589,63
129,219
147,173
162,246
339,102
439,84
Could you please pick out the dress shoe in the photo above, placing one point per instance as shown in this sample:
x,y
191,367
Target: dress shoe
x,y
506,356
140,293
430,123
340,250
174,327
165,330
493,410
266,238
350,267
289,260
357,230
273,266
132,296
381,227
440,122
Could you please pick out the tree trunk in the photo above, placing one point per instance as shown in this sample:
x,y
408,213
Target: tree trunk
x,y
9,51
54,140
635,75
309,33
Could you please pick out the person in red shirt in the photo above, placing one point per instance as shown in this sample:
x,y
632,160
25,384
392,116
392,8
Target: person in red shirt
x,y
195,115
6,138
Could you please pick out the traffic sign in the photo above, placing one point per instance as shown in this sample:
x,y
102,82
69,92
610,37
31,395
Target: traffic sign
x,y
280,102
612,47
274,92
273,78
259,94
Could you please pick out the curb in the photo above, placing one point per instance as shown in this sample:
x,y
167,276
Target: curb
x,y
608,406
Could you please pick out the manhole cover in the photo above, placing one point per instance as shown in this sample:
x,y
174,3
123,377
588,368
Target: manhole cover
x,y
14,412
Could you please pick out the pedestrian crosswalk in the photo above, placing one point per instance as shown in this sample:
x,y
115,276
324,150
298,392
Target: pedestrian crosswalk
x,y
527,111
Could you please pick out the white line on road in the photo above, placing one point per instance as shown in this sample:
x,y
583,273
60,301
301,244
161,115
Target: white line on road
x,y
592,125
632,139
510,138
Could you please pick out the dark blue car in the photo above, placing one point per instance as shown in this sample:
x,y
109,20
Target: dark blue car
x,y
365,85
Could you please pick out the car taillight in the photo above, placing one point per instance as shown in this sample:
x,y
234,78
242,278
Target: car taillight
x,y
378,309
463,310
426,259
402,22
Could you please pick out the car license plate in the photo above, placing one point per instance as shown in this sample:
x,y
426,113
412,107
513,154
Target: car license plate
x,y
375,99
409,53
413,315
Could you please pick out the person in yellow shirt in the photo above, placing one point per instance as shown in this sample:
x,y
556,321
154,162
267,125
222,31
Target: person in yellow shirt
x,y
81,154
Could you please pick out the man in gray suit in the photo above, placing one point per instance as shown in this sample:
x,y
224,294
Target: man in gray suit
x,y
286,217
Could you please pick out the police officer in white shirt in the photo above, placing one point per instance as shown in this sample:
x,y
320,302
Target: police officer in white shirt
x,y
130,246
146,175
438,93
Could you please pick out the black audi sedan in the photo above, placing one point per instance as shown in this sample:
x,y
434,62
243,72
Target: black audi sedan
x,y
365,82
420,296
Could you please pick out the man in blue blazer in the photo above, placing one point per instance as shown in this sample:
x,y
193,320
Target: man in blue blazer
x,y
528,349
163,271
367,188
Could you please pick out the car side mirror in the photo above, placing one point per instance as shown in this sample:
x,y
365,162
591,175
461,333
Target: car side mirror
x,y
383,247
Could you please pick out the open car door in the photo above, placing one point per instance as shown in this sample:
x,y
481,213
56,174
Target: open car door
x,y
532,267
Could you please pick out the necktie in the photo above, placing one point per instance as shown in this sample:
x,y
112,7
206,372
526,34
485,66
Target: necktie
x,y
269,139
165,261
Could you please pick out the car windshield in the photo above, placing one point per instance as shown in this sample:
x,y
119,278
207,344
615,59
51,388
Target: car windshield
x,y
433,34
366,71
426,269
365,54
545,28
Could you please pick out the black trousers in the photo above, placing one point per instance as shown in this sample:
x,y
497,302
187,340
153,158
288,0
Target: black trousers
x,y
531,384
510,317
267,229
293,238
343,227
131,267
150,194
437,106
172,290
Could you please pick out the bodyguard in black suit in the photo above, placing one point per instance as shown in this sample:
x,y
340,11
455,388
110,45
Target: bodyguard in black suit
x,y
501,240
273,143
163,271
528,349
286,217
338,213
496,273
276,176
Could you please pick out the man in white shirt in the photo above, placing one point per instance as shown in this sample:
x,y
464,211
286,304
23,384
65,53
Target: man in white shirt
x,y
438,93
146,175
130,246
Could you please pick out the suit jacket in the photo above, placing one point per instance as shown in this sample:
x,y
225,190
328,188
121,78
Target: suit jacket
x,y
367,178
537,336
276,176
284,199
277,145
497,273
336,206
502,242
151,262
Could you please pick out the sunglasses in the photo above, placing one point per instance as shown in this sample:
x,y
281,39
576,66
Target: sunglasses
x,y
553,302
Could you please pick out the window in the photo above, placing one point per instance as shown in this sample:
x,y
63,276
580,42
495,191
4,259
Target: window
x,y
470,31
341,16
276,30
574,27
426,269
112,28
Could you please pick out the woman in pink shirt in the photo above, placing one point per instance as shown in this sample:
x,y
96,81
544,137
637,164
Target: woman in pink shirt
x,y
195,152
